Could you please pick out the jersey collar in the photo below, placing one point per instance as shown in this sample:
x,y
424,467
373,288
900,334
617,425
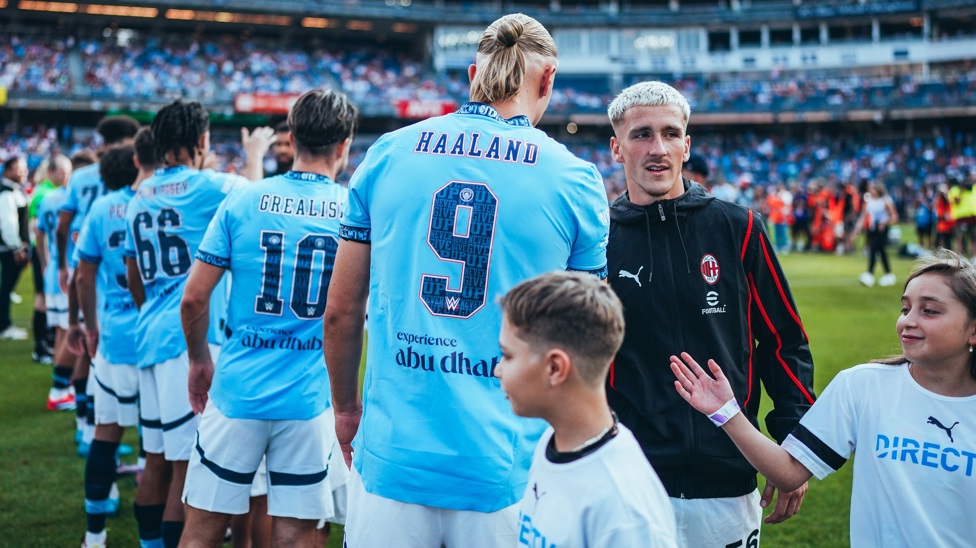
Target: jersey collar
x,y
165,170
488,111
306,176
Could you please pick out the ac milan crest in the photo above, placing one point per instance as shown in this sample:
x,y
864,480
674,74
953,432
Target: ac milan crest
x,y
709,269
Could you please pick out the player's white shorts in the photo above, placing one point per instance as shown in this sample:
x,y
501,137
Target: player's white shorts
x,y
116,392
706,523
378,522
300,464
57,309
259,487
168,422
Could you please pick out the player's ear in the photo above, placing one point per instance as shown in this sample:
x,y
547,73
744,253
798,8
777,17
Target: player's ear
x,y
615,150
548,80
558,366
471,70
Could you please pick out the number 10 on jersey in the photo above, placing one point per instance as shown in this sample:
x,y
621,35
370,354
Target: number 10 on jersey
x,y
462,230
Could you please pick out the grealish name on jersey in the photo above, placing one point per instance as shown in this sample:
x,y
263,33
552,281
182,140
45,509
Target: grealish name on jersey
x,y
475,145
300,207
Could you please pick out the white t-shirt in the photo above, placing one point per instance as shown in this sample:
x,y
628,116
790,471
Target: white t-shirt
x,y
611,497
877,209
915,456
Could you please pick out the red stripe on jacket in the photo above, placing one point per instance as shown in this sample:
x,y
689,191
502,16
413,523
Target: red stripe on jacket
x,y
779,287
745,241
779,344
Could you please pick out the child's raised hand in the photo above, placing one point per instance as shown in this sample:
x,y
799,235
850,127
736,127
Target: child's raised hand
x,y
704,393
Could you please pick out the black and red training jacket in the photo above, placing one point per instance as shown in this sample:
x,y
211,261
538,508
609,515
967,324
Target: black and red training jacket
x,y
697,274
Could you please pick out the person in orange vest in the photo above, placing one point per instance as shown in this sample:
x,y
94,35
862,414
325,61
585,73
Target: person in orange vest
x,y
779,205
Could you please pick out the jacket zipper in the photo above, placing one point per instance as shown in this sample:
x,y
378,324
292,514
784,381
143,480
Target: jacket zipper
x,y
690,428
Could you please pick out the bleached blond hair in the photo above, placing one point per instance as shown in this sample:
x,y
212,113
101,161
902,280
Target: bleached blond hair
x,y
647,94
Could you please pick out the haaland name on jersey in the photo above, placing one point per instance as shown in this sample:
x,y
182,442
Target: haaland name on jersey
x,y
300,207
475,145
932,455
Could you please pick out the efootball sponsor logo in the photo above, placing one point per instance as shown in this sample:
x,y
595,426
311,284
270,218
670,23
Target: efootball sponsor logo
x,y
709,269
714,305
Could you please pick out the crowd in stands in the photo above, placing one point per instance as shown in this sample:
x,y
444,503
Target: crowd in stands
x,y
213,70
741,162
864,88
34,65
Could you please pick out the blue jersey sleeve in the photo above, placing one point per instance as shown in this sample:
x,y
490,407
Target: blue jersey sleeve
x,y
589,252
356,223
215,248
88,247
227,181
71,199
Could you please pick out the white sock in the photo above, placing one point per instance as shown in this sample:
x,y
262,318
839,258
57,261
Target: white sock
x,y
92,539
88,433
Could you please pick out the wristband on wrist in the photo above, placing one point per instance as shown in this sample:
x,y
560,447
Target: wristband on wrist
x,y
726,412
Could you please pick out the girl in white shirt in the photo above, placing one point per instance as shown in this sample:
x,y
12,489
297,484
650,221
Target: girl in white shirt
x,y
910,421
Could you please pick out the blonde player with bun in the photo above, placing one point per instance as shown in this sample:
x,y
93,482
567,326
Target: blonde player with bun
x,y
468,205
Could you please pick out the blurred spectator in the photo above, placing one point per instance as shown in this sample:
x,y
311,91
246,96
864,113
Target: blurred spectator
x,y
696,169
14,240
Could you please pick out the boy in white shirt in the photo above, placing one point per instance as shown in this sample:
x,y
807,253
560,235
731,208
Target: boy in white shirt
x,y
559,334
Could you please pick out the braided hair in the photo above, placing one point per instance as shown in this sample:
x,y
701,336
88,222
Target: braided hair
x,y
178,127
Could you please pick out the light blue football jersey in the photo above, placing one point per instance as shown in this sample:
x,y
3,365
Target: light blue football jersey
x,y
165,222
458,210
47,222
102,242
278,238
84,187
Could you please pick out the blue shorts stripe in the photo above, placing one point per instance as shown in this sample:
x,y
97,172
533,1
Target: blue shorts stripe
x,y
150,423
122,399
240,478
167,426
281,478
